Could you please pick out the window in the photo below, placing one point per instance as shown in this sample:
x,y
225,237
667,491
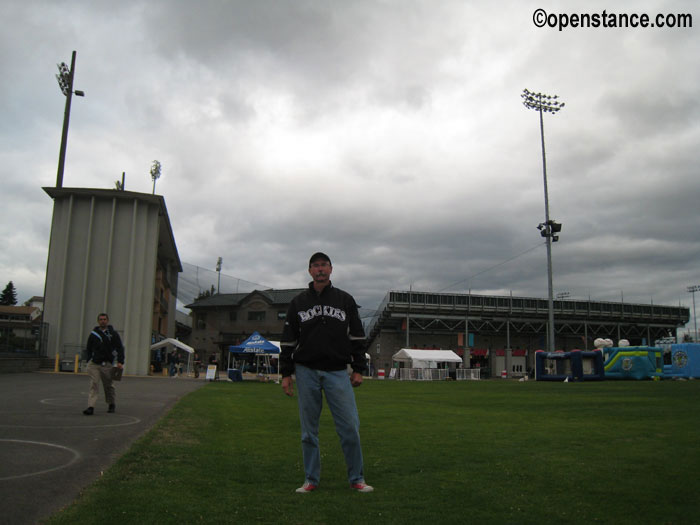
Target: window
x,y
281,314
233,316
256,316
399,297
417,298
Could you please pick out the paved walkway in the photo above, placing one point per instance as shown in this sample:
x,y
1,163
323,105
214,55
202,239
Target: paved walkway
x,y
50,451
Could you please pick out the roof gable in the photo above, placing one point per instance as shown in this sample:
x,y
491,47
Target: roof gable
x,y
270,296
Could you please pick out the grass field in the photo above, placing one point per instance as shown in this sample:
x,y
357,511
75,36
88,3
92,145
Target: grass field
x,y
443,452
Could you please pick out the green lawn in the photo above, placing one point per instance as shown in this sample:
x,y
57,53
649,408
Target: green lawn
x,y
447,452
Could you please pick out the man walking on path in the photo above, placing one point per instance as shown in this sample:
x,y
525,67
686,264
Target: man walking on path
x,y
322,335
103,347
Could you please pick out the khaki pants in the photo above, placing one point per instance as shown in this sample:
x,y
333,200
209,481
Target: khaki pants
x,y
98,372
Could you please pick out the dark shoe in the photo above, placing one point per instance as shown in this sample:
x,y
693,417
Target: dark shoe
x,y
111,408
88,411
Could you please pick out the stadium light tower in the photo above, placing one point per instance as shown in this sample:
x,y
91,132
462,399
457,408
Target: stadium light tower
x,y
218,270
546,104
65,78
155,174
692,290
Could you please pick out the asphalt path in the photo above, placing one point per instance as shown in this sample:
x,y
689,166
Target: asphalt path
x,y
50,451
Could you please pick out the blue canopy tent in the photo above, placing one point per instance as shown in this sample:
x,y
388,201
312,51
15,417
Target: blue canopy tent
x,y
256,345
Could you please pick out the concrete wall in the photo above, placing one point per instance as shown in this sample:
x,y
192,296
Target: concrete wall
x,y
19,364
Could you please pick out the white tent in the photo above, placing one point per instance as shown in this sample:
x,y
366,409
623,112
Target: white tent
x,y
174,342
177,344
425,358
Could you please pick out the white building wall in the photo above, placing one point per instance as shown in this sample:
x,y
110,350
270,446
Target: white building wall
x,y
102,258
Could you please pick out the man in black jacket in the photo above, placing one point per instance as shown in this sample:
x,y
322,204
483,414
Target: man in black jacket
x,y
103,347
322,335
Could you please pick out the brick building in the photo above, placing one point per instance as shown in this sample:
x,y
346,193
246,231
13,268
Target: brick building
x,y
221,320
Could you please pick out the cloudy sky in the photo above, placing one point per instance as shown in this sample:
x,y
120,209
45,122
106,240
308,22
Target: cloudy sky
x,y
388,133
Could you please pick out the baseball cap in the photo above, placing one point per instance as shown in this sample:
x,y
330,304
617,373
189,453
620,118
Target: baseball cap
x,y
319,256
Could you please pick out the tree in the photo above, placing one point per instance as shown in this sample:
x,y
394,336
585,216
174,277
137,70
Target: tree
x,y
9,295
206,293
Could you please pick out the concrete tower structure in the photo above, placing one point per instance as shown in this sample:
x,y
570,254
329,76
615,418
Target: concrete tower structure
x,y
110,251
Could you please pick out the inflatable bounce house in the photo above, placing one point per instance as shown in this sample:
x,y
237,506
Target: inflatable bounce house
x,y
577,365
681,361
631,362
608,362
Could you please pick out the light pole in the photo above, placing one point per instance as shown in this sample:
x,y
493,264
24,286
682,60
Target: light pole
x,y
218,269
546,103
692,290
65,78
155,174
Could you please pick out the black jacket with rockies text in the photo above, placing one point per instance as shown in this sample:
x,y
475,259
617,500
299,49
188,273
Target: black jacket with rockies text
x,y
323,331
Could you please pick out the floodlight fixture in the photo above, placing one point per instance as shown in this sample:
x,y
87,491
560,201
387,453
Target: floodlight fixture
x,y
155,173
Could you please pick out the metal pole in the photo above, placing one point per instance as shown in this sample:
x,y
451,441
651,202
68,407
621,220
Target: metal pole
x,y
692,290
550,299
467,353
695,317
408,314
66,120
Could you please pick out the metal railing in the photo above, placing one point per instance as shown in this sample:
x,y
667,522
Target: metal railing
x,y
468,374
423,374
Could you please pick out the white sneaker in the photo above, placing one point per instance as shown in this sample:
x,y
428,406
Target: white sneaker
x,y
362,487
306,487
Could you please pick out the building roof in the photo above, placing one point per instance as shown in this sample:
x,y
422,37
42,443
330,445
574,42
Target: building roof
x,y
236,299
29,311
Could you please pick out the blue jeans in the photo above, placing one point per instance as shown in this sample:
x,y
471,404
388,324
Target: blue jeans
x,y
341,400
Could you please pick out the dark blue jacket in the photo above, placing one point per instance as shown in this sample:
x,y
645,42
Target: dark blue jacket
x,y
105,346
